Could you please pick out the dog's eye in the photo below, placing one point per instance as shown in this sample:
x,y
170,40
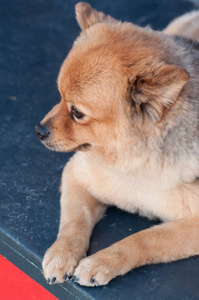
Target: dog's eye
x,y
75,113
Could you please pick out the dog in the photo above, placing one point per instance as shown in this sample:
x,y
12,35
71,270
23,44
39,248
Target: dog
x,y
130,111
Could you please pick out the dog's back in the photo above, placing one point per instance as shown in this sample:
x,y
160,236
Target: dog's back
x,y
186,25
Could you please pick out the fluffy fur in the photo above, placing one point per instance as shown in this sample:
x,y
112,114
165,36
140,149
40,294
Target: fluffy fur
x,y
129,103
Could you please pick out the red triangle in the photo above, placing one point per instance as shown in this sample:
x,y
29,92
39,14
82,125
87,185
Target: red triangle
x,y
15,284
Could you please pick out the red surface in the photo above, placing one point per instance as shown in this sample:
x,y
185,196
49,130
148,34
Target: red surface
x,y
15,284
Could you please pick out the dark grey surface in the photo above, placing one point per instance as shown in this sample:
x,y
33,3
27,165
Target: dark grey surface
x,y
28,263
35,37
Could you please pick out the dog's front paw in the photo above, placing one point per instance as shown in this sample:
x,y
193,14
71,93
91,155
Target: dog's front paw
x,y
98,269
60,261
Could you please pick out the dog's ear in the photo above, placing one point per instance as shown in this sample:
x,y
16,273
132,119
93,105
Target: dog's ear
x,y
153,94
87,16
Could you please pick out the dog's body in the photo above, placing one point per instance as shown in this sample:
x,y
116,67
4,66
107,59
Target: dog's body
x,y
130,105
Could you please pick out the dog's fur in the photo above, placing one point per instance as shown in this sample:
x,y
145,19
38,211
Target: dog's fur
x,y
138,140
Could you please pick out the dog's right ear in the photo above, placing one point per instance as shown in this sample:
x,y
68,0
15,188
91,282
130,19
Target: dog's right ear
x,y
154,93
87,16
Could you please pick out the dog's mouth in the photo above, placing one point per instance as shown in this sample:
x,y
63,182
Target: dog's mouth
x,y
64,148
45,136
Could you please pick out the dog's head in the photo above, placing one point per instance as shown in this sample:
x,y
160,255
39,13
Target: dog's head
x,y
117,80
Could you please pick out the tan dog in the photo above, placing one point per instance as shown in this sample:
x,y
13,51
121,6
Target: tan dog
x,y
129,104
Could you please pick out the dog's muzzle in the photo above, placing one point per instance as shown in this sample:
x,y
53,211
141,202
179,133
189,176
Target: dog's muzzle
x,y
42,131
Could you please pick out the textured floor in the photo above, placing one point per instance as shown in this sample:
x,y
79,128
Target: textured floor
x,y
35,38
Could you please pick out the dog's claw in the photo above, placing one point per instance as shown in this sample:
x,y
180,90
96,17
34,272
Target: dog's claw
x,y
92,280
65,276
48,281
73,278
76,279
53,280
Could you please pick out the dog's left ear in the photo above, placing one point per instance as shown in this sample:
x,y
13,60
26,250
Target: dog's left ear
x,y
87,16
153,94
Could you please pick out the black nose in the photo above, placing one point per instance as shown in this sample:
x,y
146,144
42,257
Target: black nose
x,y
42,131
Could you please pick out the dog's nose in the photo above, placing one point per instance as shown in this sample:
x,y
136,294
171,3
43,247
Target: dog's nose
x,y
42,131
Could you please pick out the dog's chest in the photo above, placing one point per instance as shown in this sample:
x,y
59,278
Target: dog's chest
x,y
134,192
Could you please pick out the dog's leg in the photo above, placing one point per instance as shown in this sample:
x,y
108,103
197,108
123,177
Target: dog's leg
x,y
79,213
163,243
